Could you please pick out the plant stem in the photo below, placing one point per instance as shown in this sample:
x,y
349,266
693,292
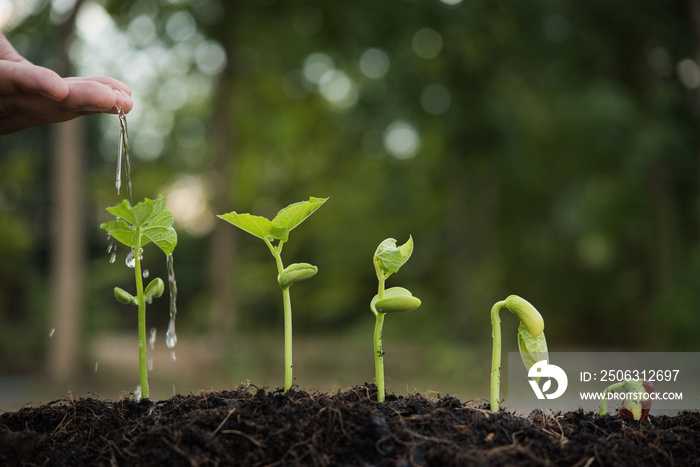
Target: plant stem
x,y
287,302
288,370
378,347
496,355
143,364
379,357
603,410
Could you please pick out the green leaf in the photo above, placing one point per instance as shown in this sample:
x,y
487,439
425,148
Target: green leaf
x,y
293,215
148,220
159,230
257,226
389,258
122,232
123,211
532,349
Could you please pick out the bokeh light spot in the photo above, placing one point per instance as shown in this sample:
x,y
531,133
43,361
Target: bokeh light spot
x,y
180,26
187,200
316,65
427,43
210,57
337,88
555,27
141,31
689,73
435,99
401,140
374,63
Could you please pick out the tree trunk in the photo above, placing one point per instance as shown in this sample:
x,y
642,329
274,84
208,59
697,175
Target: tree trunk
x,y
66,250
67,254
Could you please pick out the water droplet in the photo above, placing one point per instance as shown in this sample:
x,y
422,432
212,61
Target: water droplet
x,y
145,273
140,344
113,257
150,364
152,338
137,394
171,337
96,364
131,259
52,332
172,355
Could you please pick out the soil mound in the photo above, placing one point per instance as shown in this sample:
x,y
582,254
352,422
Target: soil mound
x,y
256,427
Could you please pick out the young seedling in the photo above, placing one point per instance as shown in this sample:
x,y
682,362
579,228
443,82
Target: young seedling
x,y
388,259
531,341
278,230
135,227
637,401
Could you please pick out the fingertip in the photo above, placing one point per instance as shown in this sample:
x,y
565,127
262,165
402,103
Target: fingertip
x,y
124,101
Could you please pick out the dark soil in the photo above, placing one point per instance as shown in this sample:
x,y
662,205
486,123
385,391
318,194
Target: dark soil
x,y
259,427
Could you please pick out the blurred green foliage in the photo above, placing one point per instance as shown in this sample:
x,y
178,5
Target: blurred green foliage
x,y
546,149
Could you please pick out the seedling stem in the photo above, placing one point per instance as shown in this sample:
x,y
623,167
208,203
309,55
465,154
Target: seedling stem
x,y
287,304
378,348
496,355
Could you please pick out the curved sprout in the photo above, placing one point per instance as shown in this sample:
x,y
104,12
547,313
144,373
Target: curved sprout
x,y
531,341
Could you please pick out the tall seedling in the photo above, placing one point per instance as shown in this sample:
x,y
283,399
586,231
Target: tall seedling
x,y
135,227
388,259
277,230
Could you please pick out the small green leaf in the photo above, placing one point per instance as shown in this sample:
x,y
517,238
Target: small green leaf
x,y
154,289
124,297
293,215
532,349
257,226
389,258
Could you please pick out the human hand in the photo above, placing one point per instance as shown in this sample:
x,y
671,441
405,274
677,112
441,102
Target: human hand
x,y
31,95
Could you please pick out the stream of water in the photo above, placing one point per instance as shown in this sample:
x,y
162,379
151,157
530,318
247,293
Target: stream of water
x,y
124,159
170,335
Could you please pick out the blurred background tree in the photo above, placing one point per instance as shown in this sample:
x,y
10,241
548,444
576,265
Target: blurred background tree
x,y
547,149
